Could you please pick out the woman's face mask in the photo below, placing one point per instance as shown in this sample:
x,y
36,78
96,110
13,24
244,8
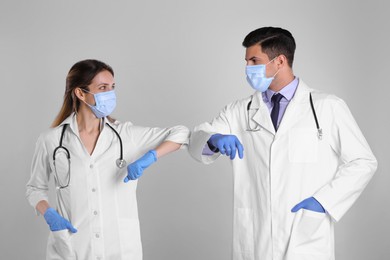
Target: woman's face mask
x,y
105,103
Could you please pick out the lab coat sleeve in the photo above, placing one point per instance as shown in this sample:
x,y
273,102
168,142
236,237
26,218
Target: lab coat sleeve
x,y
147,138
38,185
358,164
202,133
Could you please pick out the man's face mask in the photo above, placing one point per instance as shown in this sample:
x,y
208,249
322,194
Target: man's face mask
x,y
256,77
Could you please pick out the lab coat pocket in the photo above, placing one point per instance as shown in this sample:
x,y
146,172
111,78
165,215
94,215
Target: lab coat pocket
x,y
303,145
311,234
130,239
62,244
243,234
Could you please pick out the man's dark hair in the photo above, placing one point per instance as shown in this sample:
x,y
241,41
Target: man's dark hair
x,y
273,41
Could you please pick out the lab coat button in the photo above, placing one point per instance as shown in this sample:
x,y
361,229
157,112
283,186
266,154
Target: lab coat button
x,y
95,212
97,236
93,189
91,166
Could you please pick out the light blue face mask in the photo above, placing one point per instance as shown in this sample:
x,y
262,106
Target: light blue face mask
x,y
255,75
105,103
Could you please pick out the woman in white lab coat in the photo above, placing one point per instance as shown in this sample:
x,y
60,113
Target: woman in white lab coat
x,y
95,215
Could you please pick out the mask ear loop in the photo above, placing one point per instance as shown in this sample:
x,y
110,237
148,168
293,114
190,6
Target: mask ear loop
x,y
276,73
75,101
272,61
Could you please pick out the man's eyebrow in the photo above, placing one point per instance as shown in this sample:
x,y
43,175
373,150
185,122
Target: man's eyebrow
x,y
252,58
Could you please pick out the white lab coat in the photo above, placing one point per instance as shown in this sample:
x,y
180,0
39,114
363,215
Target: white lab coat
x,y
97,202
280,170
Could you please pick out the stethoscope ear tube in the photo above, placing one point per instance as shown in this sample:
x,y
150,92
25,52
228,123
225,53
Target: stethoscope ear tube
x,y
319,130
119,162
60,146
59,184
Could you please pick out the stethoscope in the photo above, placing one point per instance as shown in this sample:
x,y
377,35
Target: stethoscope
x,y
120,162
257,128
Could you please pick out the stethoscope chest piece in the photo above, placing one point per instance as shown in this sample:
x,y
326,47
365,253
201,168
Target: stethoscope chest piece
x,y
121,163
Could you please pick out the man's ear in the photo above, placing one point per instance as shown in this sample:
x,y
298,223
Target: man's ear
x,y
281,61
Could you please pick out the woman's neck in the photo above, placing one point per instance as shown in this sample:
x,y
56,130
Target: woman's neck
x,y
87,121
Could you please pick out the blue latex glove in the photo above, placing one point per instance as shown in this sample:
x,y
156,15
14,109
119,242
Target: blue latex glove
x,y
309,204
226,144
135,169
56,222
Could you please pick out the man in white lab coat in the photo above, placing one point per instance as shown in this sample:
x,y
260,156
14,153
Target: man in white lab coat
x,y
303,159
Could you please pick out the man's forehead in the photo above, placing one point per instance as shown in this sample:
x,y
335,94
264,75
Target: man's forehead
x,y
254,52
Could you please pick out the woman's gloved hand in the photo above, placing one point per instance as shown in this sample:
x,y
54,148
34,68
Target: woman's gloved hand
x,y
226,144
135,169
309,204
56,222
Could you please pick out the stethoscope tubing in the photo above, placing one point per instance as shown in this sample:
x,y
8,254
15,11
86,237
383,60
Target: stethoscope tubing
x,y
61,146
119,162
120,141
319,130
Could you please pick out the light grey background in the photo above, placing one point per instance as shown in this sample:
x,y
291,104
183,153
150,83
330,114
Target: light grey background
x,y
180,62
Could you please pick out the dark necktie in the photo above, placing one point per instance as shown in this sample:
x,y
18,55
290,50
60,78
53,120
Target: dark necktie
x,y
275,110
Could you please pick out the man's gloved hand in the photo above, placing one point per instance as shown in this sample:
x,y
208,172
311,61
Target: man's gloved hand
x,y
56,222
135,169
309,204
226,144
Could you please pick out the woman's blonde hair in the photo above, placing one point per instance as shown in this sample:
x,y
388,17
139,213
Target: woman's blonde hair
x,y
79,76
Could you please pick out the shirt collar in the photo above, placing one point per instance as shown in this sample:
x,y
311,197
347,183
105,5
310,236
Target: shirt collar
x,y
288,91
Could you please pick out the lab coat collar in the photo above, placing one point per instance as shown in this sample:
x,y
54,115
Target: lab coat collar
x,y
259,113
299,103
262,117
104,140
72,122
68,120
